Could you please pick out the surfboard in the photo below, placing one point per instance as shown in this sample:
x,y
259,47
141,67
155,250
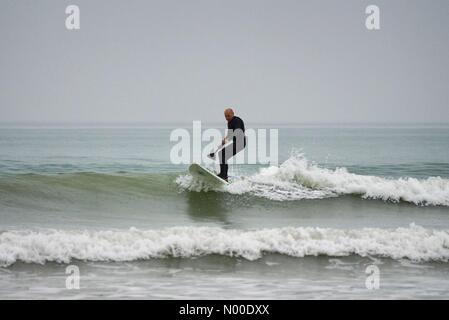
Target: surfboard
x,y
206,175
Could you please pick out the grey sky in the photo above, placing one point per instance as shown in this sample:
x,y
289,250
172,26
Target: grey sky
x,y
287,61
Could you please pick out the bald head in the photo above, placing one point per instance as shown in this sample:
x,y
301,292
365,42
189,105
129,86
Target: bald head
x,y
229,114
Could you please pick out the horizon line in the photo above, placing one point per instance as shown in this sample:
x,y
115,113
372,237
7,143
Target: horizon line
x,y
137,124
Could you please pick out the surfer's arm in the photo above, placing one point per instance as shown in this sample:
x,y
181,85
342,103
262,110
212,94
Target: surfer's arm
x,y
235,129
228,137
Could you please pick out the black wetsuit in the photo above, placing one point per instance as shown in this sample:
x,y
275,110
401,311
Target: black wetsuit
x,y
236,130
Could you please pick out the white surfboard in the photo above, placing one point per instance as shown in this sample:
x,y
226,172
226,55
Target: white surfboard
x,y
206,175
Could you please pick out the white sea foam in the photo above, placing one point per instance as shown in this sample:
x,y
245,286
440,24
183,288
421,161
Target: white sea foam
x,y
297,178
40,246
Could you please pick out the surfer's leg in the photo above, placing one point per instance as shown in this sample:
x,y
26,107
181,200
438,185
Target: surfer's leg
x,y
223,171
224,156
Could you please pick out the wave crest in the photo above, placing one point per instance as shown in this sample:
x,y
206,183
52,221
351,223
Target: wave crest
x,y
414,243
297,178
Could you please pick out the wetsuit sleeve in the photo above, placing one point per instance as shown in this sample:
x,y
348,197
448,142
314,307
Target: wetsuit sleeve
x,y
229,133
235,124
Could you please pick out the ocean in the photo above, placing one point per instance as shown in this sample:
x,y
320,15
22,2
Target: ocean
x,y
350,211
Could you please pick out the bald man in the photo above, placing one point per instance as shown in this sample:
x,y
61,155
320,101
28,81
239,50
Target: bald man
x,y
236,134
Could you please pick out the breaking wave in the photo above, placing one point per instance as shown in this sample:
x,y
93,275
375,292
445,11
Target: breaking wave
x,y
39,246
297,178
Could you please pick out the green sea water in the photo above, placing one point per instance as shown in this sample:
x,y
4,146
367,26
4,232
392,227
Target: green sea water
x,y
109,200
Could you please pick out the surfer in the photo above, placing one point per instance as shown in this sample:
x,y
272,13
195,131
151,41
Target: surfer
x,y
236,134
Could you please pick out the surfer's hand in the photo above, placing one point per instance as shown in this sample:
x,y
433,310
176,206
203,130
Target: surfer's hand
x,y
223,142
